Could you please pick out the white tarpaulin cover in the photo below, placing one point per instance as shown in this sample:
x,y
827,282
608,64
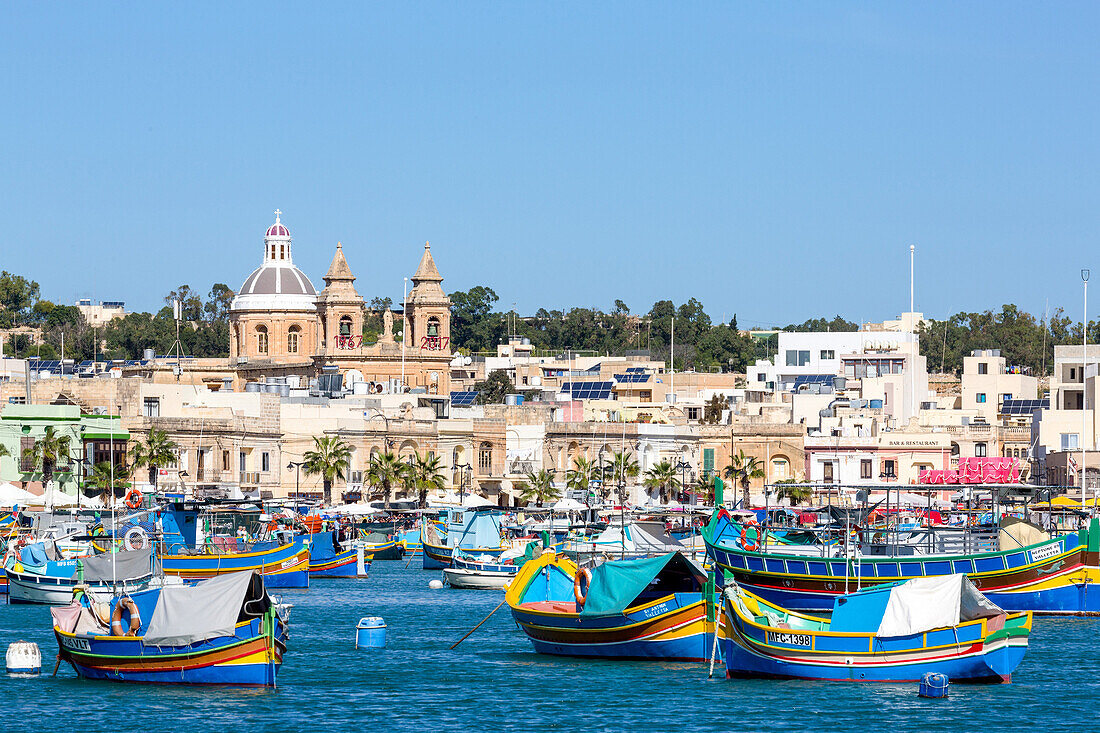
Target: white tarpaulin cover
x,y
206,610
12,495
923,604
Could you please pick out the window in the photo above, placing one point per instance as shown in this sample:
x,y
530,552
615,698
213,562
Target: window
x,y
828,354
798,358
150,407
865,468
225,460
827,472
292,339
981,450
983,367
1072,374
780,469
1069,441
26,465
980,397
261,339
244,461
761,377
265,461
708,461
485,458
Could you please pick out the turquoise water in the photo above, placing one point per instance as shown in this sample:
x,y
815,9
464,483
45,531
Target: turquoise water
x,y
493,681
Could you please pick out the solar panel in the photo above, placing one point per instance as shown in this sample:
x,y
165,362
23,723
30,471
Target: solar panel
x,y
1023,407
812,379
635,370
632,378
463,399
588,390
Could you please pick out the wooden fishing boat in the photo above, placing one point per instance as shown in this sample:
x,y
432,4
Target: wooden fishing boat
x,y
1048,577
222,631
410,542
889,633
381,546
469,572
331,557
36,578
476,532
632,609
282,565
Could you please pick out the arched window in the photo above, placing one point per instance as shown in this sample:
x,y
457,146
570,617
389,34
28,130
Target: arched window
x,y
292,337
780,469
261,340
485,458
954,449
345,325
282,251
433,326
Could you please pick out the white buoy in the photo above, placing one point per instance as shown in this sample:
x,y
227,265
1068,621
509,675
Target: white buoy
x,y
435,584
24,659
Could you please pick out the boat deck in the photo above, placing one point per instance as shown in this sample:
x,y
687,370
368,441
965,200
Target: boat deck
x,y
550,606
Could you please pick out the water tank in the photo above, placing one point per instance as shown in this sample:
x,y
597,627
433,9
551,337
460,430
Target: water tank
x,y
149,355
839,384
294,381
253,387
284,390
271,388
513,399
360,388
875,404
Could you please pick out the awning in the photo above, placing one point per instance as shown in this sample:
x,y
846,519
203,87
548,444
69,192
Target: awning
x,y
923,604
206,610
616,583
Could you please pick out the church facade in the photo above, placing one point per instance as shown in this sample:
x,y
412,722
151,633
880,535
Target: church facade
x,y
280,326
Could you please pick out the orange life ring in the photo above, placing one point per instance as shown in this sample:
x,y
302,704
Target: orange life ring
x,y
747,544
134,499
578,594
128,604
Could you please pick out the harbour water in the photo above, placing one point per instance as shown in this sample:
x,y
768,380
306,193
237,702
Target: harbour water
x,y
494,681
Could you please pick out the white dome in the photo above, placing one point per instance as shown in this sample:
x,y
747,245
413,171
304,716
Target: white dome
x,y
276,284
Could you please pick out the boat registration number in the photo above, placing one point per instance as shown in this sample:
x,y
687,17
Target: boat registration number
x,y
288,563
775,637
80,645
1042,553
655,611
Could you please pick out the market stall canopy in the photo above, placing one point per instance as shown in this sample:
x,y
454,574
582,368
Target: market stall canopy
x,y
473,500
568,505
354,510
11,495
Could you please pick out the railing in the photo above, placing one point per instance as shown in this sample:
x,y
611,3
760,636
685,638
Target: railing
x,y
250,478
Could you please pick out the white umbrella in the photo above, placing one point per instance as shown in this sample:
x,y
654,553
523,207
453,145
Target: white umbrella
x,y
12,495
357,510
449,498
473,500
567,505
57,498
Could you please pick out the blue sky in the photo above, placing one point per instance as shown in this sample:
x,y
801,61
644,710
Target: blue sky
x,y
774,160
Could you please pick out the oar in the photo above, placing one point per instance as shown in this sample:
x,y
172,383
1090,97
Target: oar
x,y
479,625
57,666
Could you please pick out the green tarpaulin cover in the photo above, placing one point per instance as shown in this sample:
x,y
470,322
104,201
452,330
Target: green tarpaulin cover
x,y
618,582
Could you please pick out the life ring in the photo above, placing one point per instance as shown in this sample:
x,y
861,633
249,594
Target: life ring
x,y
578,593
136,539
99,531
128,604
747,544
134,498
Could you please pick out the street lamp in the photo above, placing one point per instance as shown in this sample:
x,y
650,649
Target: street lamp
x,y
464,477
682,466
297,466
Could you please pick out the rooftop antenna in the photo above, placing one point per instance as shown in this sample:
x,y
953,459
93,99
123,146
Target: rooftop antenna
x,y
1084,380
177,346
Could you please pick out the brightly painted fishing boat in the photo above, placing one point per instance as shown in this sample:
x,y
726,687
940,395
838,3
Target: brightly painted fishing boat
x,y
281,565
1052,576
409,540
889,633
381,546
476,532
469,572
329,557
633,609
223,631
36,577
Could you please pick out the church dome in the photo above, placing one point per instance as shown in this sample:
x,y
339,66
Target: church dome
x,y
276,284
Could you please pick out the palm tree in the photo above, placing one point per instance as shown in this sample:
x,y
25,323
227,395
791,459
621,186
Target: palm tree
x,y
157,451
47,452
580,476
742,469
329,458
385,470
788,489
426,474
540,487
107,479
663,477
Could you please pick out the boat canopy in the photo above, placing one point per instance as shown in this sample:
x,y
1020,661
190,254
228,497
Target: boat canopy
x,y
122,565
912,607
618,584
206,610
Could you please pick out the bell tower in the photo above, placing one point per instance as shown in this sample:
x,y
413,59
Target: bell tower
x,y
340,307
428,311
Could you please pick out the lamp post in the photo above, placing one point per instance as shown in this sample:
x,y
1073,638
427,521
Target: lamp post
x,y
1084,380
297,466
682,466
466,470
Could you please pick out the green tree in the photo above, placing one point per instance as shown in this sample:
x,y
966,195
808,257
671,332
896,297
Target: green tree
x,y
108,480
712,410
742,469
789,489
155,452
427,475
539,487
492,389
47,452
662,477
384,472
329,458
580,476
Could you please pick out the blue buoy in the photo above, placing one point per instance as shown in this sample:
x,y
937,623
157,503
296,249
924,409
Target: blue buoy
x,y
370,633
933,684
